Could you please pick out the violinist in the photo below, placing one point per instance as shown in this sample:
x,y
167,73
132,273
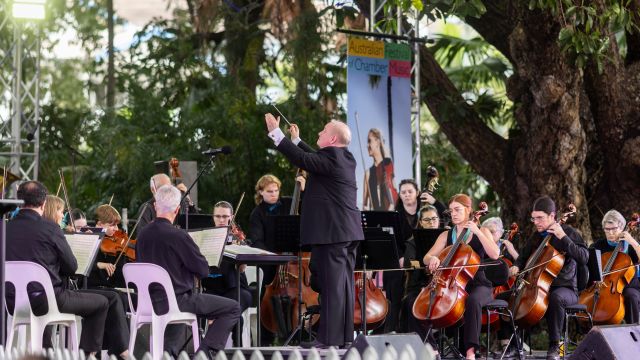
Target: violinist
x,y
427,219
116,329
564,289
223,281
479,288
495,227
379,190
79,220
613,224
107,273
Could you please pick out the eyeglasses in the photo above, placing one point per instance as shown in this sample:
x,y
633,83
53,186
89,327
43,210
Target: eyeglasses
x,y
537,218
221,216
613,229
431,219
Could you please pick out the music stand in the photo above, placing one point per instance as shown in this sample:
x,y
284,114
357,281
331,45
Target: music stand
x,y
424,240
195,221
5,207
283,231
373,255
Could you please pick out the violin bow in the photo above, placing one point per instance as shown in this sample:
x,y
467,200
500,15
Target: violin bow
x,y
66,199
144,208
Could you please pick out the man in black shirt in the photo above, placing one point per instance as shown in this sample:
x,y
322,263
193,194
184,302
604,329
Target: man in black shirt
x,y
173,249
33,238
564,288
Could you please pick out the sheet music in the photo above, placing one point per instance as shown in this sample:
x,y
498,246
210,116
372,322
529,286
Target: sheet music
x,y
85,248
239,249
211,243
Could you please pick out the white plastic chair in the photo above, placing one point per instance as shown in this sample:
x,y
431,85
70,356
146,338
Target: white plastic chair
x,y
143,275
249,328
20,274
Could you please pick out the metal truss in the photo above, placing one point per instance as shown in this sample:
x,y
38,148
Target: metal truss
x,y
19,94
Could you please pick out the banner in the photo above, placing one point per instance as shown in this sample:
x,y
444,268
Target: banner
x,y
379,115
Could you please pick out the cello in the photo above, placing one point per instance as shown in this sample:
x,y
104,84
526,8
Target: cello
x,y
375,301
604,298
442,301
530,300
290,293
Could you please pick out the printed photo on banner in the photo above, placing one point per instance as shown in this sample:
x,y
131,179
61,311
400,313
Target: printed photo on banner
x,y
379,115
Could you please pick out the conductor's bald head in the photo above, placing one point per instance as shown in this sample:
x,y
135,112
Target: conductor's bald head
x,y
335,133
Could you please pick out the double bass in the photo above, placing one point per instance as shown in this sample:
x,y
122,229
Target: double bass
x,y
604,298
530,300
281,305
442,301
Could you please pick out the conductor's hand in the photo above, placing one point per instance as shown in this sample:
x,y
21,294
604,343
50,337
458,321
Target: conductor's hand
x,y
109,268
294,131
272,121
433,263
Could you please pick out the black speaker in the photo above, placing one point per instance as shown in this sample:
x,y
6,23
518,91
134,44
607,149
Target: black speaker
x,y
615,342
398,341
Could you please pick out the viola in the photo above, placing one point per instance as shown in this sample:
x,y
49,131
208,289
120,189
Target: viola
x,y
530,300
442,301
117,244
376,305
604,298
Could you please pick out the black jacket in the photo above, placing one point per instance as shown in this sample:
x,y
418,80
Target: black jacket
x,y
575,253
30,237
330,214
173,249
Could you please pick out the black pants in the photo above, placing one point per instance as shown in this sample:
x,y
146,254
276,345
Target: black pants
x,y
333,266
116,328
225,313
93,310
631,305
393,284
478,297
245,301
559,299
412,325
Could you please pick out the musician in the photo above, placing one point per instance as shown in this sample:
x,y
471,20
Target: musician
x,y
173,249
79,220
480,288
223,281
427,219
330,222
147,212
107,273
116,331
379,190
613,224
564,289
30,237
495,227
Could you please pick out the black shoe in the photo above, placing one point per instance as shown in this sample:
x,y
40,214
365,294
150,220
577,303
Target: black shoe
x,y
314,344
554,352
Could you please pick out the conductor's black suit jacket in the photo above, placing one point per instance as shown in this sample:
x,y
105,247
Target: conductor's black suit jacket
x,y
330,214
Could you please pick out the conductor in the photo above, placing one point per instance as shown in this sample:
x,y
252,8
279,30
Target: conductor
x,y
329,223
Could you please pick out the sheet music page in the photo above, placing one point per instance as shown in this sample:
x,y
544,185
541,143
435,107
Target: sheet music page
x,y
85,248
239,249
211,243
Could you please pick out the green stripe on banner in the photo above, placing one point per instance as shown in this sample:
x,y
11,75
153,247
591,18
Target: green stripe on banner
x,y
393,51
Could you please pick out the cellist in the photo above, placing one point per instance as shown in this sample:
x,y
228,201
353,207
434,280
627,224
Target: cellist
x,y
613,224
480,288
564,289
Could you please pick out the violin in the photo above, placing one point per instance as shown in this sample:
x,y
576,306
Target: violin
x,y
530,300
117,244
604,298
281,305
239,237
442,301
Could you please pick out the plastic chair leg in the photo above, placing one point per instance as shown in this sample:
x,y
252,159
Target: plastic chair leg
x,y
133,333
195,335
37,333
73,337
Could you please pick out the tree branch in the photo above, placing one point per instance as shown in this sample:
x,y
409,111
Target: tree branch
x,y
477,143
495,25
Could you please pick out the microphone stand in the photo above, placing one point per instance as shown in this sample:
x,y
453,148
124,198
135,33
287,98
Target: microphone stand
x,y
211,163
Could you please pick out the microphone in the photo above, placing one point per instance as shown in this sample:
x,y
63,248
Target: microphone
x,y
223,150
32,134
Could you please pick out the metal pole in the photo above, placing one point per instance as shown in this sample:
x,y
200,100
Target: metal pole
x,y
16,119
417,100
